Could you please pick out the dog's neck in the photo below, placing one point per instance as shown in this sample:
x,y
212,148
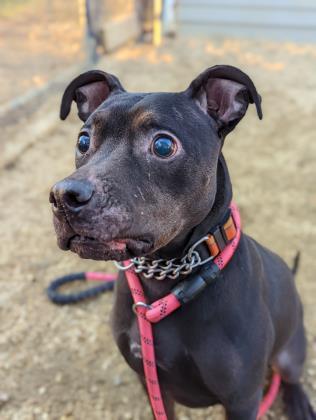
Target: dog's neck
x,y
155,289
180,245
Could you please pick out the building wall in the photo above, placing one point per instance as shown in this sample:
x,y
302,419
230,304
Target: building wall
x,y
277,19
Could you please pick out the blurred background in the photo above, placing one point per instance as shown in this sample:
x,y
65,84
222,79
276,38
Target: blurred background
x,y
61,362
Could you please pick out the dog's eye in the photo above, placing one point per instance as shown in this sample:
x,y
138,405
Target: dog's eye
x,y
164,146
83,143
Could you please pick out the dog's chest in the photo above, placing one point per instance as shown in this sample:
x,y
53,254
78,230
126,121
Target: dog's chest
x,y
168,348
135,350
174,360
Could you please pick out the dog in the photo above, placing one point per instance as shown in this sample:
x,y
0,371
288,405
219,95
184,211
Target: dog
x,y
150,181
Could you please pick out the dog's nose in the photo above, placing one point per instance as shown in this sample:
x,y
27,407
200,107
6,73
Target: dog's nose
x,y
72,194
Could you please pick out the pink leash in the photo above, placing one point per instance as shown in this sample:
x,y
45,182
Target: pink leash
x,y
147,314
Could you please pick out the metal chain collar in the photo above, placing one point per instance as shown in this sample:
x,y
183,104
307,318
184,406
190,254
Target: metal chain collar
x,y
171,269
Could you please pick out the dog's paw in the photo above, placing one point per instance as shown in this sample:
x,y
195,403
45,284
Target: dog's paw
x,y
297,403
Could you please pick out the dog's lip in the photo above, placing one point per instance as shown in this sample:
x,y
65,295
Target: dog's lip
x,y
117,244
117,249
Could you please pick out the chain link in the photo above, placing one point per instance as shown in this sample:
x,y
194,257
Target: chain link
x,y
172,269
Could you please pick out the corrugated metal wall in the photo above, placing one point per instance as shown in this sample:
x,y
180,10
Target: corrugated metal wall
x,y
277,19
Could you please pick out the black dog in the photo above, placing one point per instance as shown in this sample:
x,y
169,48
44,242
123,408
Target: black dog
x,y
151,180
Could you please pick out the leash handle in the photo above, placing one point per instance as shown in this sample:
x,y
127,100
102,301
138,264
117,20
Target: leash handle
x,y
59,298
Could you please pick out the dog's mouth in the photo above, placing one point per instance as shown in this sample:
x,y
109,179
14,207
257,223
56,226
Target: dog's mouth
x,y
118,249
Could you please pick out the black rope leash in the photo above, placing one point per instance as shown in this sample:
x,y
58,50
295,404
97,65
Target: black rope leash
x,y
70,298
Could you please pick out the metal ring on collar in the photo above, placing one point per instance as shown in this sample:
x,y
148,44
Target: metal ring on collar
x,y
197,243
140,305
123,267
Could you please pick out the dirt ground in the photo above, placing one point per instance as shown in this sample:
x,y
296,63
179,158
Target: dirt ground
x,y
61,362
35,47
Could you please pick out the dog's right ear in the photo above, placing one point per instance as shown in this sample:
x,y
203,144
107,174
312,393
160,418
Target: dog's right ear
x,y
88,90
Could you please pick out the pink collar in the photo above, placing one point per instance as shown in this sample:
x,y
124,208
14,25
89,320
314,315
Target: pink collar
x,y
188,289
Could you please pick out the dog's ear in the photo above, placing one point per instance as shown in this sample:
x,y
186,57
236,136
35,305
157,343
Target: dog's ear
x,y
224,92
88,90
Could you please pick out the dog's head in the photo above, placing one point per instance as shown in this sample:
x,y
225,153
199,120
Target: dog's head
x,y
146,163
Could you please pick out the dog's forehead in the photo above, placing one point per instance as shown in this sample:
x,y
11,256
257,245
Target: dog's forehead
x,y
141,109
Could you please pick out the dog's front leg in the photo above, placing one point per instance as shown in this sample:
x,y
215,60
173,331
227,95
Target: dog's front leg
x,y
246,410
168,404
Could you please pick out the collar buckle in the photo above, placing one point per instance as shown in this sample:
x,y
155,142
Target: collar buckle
x,y
218,239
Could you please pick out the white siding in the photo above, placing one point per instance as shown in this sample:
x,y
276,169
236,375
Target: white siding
x,y
279,19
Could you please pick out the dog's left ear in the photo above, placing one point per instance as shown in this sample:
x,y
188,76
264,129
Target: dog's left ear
x,y
89,90
224,92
